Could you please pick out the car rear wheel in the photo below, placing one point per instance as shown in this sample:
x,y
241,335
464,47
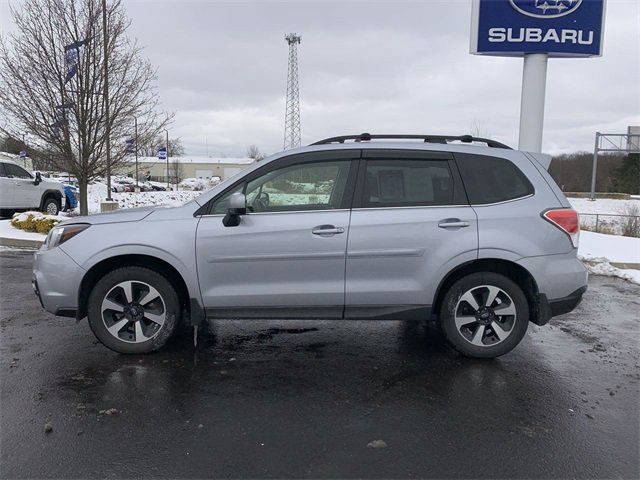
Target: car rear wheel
x,y
133,310
51,206
484,315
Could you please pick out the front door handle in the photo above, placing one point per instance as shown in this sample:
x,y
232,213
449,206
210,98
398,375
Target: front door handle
x,y
452,223
327,230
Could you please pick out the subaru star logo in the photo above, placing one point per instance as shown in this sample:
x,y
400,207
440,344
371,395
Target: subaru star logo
x,y
545,8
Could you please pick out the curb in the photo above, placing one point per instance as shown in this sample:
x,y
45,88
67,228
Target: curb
x,y
622,265
20,243
626,266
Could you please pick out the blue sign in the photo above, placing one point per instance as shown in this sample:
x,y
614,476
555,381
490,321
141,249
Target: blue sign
x,y
129,146
162,153
23,154
561,28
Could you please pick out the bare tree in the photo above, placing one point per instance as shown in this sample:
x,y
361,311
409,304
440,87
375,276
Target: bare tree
x,y
254,152
63,112
176,149
176,171
477,129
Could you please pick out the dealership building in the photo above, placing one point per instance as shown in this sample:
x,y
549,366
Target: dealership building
x,y
188,167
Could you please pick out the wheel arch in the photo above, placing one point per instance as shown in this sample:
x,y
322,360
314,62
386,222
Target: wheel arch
x,y
189,304
50,193
520,275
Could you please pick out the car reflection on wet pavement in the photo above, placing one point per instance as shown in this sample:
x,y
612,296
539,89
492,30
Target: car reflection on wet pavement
x,y
320,399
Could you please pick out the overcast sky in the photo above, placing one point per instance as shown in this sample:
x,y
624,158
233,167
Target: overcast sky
x,y
388,67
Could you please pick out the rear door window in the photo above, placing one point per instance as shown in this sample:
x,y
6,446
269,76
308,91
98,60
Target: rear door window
x,y
404,183
492,179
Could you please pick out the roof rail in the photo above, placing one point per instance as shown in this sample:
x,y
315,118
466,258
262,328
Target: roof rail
x,y
366,137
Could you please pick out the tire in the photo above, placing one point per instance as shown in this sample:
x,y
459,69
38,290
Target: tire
x,y
51,206
484,332
136,328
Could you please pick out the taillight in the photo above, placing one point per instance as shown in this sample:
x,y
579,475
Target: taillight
x,y
566,219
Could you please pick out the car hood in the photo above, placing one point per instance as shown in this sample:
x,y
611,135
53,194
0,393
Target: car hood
x,y
51,184
117,216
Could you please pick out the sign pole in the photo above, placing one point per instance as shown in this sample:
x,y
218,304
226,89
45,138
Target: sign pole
x,y
167,143
135,119
534,82
594,168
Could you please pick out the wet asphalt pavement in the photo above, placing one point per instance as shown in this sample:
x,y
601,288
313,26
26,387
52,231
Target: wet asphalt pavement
x,y
305,398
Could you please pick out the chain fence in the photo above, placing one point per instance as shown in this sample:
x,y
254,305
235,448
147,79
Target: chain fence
x,y
612,224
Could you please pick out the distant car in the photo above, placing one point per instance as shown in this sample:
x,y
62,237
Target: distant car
x,y
71,196
21,190
118,187
158,188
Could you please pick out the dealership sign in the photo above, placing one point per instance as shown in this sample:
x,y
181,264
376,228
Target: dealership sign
x,y
560,28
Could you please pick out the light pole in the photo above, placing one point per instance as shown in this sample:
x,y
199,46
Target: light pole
x,y
135,146
106,97
24,159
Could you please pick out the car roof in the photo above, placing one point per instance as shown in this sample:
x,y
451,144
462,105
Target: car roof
x,y
405,145
6,160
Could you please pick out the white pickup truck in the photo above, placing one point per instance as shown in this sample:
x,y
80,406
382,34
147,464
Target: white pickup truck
x,y
20,190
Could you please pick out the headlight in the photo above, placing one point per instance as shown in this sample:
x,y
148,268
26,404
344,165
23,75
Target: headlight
x,y
59,235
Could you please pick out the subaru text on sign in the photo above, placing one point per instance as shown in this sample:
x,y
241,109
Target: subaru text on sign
x,y
561,28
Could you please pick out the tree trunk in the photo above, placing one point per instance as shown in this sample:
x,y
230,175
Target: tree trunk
x,y
84,209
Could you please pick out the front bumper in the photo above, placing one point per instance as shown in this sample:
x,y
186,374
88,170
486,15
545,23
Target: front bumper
x,y
56,280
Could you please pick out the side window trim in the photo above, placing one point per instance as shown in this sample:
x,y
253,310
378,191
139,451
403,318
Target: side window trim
x,y
351,155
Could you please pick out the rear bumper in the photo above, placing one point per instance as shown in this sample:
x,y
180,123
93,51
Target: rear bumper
x,y
559,306
566,304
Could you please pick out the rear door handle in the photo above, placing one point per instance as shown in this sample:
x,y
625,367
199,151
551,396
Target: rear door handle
x,y
327,230
452,223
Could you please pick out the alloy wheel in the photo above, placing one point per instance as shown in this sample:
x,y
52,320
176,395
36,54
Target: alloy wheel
x,y
52,208
485,315
133,311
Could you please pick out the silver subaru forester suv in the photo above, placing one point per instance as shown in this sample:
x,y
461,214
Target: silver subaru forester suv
x,y
371,227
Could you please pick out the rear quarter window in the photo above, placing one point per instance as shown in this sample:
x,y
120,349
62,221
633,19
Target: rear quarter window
x,y
491,179
3,173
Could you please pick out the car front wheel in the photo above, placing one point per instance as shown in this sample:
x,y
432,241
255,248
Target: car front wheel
x,y
51,206
133,310
484,315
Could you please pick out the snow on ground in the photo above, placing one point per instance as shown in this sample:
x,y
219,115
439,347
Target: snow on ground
x,y
603,267
603,205
9,231
607,209
98,193
614,248
199,183
596,250
22,216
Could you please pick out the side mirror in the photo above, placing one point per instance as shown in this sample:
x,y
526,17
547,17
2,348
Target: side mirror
x,y
38,179
237,207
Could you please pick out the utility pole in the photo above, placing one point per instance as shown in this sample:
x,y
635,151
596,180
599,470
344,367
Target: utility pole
x,y
106,97
292,114
167,143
